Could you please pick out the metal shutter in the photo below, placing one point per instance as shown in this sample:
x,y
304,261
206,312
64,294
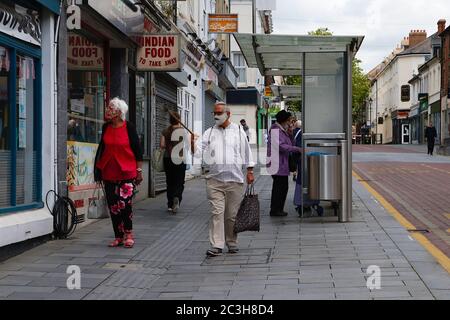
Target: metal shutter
x,y
166,98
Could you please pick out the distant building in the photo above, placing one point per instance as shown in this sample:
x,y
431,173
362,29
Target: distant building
x,y
246,101
390,94
445,91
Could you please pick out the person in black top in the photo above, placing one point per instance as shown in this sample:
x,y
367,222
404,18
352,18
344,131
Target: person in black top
x,y
431,135
173,140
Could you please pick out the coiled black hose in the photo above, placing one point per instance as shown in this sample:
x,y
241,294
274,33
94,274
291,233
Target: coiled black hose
x,y
65,218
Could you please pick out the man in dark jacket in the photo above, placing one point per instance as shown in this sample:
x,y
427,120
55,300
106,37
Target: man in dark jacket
x,y
431,135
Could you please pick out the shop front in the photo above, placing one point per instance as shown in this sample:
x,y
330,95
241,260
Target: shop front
x,y
414,122
101,64
435,115
400,127
27,69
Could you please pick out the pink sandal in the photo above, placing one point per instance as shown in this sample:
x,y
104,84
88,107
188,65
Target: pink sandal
x,y
116,243
129,240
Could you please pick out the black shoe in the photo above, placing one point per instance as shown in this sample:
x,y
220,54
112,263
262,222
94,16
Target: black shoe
x,y
278,214
214,252
233,250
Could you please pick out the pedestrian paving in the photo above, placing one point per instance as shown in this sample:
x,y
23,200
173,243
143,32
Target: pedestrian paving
x,y
290,259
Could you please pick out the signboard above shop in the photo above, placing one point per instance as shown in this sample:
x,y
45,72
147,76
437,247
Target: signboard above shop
x,y
193,56
84,54
222,23
158,52
21,23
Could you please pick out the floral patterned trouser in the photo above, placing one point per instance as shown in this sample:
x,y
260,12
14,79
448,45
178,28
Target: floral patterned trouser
x,y
119,197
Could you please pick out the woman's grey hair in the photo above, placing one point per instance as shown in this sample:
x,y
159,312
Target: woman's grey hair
x,y
121,105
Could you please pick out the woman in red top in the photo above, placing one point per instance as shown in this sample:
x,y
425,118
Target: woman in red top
x,y
118,165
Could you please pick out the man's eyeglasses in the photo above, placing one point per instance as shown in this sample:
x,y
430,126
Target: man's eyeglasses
x,y
218,113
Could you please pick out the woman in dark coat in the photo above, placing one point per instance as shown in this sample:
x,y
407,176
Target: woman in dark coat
x,y
279,146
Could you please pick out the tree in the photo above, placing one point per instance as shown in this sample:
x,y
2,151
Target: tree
x,y
360,85
294,106
361,89
321,32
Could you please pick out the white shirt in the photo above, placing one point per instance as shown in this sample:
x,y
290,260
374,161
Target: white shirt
x,y
225,152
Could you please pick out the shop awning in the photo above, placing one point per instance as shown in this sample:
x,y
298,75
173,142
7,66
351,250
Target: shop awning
x,y
280,55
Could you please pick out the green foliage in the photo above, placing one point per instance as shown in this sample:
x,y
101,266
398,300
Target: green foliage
x,y
360,85
274,110
294,106
361,90
321,32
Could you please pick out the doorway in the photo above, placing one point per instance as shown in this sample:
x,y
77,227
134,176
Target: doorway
x,y
406,137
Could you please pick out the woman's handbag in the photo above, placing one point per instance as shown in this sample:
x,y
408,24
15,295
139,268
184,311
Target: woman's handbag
x,y
247,218
293,162
158,160
98,209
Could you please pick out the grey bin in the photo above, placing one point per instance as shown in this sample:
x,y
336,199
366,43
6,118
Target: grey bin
x,y
324,177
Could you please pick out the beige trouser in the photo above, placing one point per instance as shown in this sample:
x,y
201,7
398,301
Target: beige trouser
x,y
225,199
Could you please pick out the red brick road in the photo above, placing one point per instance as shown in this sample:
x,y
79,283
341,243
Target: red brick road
x,y
420,191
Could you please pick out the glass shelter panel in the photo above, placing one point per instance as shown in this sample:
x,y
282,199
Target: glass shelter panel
x,y
324,93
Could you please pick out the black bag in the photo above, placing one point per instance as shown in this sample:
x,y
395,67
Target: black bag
x,y
293,162
247,218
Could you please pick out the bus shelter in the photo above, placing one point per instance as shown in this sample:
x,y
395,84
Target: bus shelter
x,y
324,64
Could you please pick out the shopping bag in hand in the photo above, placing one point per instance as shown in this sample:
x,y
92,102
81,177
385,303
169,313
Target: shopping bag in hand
x,y
247,218
98,209
158,160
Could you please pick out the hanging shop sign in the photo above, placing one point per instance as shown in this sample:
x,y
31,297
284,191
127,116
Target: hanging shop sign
x,y
21,23
84,54
159,52
193,56
222,23
268,92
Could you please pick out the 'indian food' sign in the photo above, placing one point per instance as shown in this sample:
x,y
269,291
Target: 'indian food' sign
x,y
158,52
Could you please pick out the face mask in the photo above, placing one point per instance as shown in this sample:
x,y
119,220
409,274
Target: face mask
x,y
220,120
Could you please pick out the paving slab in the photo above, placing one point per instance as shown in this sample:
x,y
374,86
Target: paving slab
x,y
290,259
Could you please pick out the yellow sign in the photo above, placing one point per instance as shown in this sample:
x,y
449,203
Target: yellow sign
x,y
268,92
223,23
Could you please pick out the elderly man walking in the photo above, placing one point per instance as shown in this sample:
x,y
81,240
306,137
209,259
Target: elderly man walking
x,y
226,150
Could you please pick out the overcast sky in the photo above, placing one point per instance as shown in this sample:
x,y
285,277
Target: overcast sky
x,y
384,23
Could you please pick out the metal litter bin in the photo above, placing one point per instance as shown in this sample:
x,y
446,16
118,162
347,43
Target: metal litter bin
x,y
324,176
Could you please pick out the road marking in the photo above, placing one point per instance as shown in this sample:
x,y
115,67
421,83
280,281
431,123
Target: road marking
x,y
443,260
447,215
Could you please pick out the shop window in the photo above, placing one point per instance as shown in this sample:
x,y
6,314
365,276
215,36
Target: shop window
x,y
141,113
86,106
5,148
19,141
240,66
86,95
26,151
